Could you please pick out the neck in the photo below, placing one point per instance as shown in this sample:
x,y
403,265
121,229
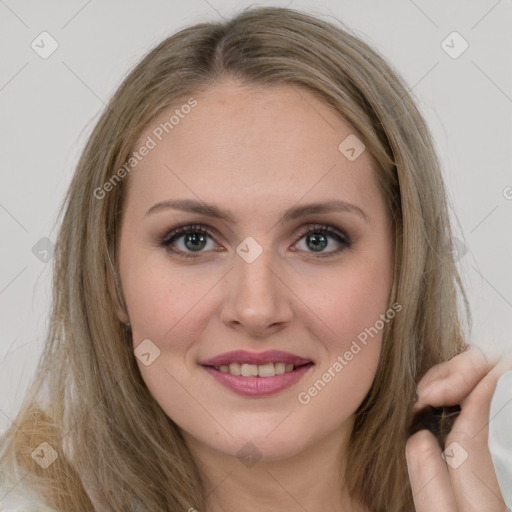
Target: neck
x,y
310,480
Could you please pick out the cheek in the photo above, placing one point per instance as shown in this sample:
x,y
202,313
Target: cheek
x,y
351,298
162,299
356,315
353,305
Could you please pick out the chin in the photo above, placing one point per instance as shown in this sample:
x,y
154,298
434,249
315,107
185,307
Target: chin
x,y
268,443
264,449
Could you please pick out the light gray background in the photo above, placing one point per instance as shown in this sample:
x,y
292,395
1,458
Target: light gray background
x,y
48,107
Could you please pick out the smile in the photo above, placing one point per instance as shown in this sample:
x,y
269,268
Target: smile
x,y
257,373
254,370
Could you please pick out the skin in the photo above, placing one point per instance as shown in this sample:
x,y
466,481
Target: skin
x,y
468,379
258,153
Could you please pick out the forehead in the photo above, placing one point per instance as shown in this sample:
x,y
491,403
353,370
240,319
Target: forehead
x,y
270,143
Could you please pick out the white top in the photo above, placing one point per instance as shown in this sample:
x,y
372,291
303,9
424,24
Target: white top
x,y
14,497
18,499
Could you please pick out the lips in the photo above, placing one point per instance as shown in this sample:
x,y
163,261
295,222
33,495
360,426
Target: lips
x,y
254,358
253,374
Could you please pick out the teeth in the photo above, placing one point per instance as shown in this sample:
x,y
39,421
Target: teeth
x,y
280,368
249,370
266,370
253,370
235,369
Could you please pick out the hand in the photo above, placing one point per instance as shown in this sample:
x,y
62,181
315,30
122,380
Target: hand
x,y
459,484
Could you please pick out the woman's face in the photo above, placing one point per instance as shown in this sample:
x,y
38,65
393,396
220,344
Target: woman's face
x,y
254,281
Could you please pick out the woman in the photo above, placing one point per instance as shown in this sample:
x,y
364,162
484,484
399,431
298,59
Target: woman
x,y
253,273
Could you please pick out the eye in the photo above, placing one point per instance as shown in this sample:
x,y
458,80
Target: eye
x,y
317,238
194,238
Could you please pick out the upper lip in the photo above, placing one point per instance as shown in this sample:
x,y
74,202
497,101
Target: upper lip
x,y
243,356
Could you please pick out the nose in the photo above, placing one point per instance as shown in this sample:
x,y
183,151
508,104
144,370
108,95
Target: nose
x,y
257,298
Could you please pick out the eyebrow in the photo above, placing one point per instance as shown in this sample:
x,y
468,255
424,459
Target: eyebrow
x,y
210,210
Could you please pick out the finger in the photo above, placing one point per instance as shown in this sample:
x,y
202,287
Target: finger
x,y
469,461
472,475
428,474
450,382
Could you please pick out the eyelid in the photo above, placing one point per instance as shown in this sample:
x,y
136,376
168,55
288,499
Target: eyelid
x,y
184,229
177,232
331,230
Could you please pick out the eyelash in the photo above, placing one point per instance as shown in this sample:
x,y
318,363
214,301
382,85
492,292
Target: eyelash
x,y
325,229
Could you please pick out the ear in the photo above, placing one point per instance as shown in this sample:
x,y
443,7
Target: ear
x,y
117,297
123,316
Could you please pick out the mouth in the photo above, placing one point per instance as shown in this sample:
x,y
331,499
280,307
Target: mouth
x,y
257,374
242,357
261,370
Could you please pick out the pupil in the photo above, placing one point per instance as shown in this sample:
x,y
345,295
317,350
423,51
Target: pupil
x,y
195,239
319,241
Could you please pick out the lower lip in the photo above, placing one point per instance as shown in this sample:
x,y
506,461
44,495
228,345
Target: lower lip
x,y
258,386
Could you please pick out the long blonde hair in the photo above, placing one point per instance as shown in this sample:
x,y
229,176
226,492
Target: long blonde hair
x,y
115,445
